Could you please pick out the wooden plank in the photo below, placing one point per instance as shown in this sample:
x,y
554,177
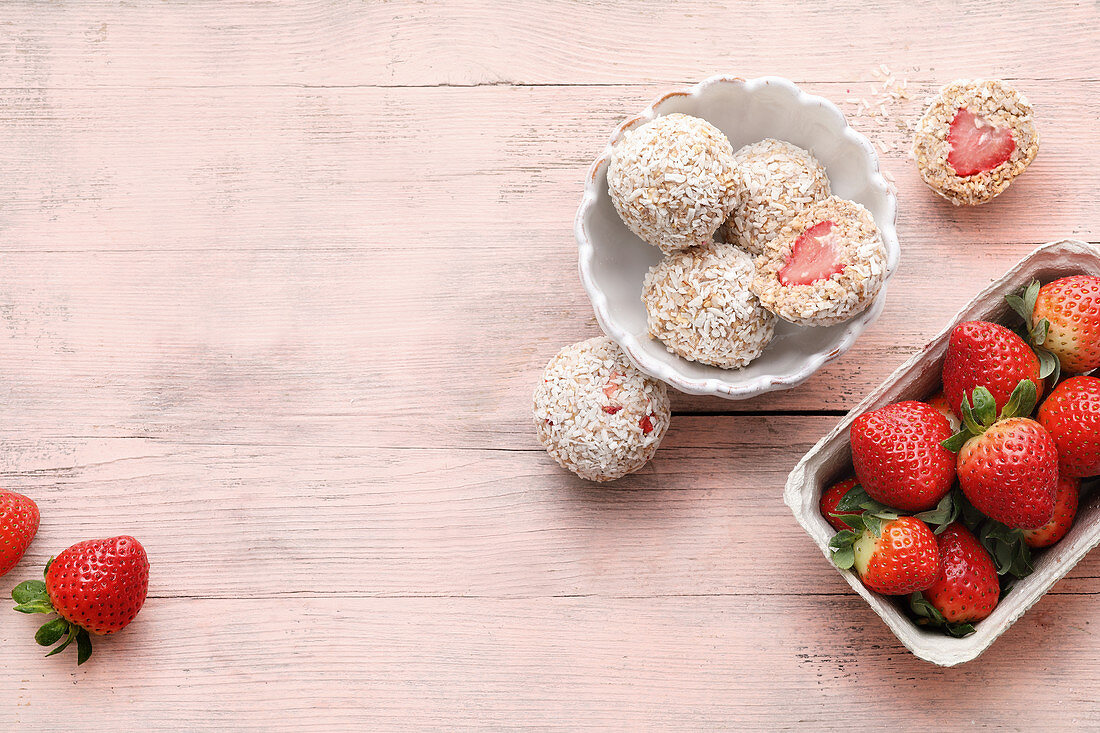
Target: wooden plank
x,y
755,662
291,520
316,42
330,265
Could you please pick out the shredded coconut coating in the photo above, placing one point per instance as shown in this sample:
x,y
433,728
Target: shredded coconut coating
x,y
998,103
842,295
698,304
671,180
596,414
775,182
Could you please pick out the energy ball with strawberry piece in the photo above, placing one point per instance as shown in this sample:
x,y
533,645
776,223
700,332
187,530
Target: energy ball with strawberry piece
x,y
974,139
824,267
671,180
596,414
698,303
775,182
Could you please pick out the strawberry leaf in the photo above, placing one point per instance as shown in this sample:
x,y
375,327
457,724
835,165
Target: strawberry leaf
x,y
1022,401
83,647
1016,303
844,558
858,499
35,606
846,518
47,568
957,441
1049,366
959,630
1006,546
29,590
51,632
968,421
68,640
944,513
985,407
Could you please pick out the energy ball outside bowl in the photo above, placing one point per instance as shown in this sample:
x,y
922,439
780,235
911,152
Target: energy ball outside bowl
x,y
698,303
824,267
596,414
775,181
974,139
671,180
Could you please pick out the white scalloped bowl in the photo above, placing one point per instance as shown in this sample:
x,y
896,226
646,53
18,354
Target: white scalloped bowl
x,y
613,261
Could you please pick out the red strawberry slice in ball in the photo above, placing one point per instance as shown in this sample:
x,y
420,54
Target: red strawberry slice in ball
x,y
976,144
816,255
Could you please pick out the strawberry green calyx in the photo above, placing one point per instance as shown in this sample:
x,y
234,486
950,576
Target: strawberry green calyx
x,y
1035,334
979,418
928,615
31,597
856,502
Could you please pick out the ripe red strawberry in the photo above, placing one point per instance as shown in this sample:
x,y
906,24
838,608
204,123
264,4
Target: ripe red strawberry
x,y
898,458
939,401
96,587
967,587
1065,509
816,255
829,499
893,556
1008,466
976,144
1072,417
1063,318
18,526
983,354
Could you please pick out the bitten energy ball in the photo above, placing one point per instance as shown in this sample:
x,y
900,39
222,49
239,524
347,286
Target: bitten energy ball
x,y
671,181
775,182
825,266
699,304
975,138
596,414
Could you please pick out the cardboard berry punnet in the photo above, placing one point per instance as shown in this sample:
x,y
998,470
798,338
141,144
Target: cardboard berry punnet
x,y
917,379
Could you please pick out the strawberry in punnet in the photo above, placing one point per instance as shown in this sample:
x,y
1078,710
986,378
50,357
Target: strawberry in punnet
x,y
96,587
1072,417
18,526
967,588
939,401
898,458
1008,465
831,496
976,144
891,556
983,354
1065,509
1063,318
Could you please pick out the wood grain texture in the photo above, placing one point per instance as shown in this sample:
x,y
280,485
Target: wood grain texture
x,y
278,279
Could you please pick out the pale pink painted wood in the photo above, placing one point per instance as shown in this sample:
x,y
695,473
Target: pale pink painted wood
x,y
274,297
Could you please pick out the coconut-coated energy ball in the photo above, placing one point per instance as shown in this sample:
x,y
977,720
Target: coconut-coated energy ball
x,y
671,180
597,414
699,304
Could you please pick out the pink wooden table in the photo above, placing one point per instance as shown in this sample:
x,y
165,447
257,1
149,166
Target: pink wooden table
x,y
278,278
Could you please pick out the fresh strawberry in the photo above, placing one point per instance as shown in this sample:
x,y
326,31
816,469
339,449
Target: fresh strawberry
x,y
1008,465
939,401
816,255
96,587
898,458
976,144
967,588
1065,509
891,556
1063,318
831,496
18,526
1072,417
983,354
